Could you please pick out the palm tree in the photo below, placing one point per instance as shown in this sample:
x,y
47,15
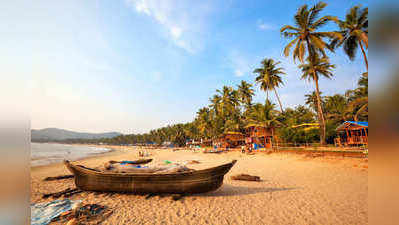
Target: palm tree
x,y
336,108
269,77
245,93
264,115
311,100
204,122
312,71
229,99
215,103
354,30
359,98
307,37
359,105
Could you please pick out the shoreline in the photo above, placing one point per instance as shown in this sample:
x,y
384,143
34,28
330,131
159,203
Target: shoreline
x,y
113,150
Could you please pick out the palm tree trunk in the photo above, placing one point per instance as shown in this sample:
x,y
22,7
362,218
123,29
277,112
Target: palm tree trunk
x,y
272,140
359,111
267,96
322,122
278,99
364,55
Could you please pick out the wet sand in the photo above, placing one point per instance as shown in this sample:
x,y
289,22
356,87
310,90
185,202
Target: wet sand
x,y
295,189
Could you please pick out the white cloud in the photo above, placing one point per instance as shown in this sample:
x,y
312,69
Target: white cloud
x,y
239,64
141,6
265,26
238,73
176,32
184,22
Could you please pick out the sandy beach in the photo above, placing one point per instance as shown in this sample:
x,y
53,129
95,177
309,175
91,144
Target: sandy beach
x,y
295,189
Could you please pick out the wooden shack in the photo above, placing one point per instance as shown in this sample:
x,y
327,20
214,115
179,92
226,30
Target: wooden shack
x,y
199,143
260,135
352,133
229,139
206,143
193,143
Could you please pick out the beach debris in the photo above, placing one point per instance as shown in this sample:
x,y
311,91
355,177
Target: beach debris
x,y
150,196
44,213
59,177
86,214
193,162
177,197
139,161
88,168
166,167
245,177
144,154
314,155
213,151
66,193
73,221
72,193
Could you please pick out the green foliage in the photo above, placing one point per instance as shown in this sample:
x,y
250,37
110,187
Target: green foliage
x,y
269,77
305,34
354,30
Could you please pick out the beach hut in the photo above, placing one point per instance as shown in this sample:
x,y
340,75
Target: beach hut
x,y
206,143
230,139
352,133
259,135
193,143
199,143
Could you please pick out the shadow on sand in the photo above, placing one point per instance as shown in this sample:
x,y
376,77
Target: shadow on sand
x,y
231,190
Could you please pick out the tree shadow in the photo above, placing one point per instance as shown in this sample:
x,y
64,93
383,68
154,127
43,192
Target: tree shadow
x,y
231,190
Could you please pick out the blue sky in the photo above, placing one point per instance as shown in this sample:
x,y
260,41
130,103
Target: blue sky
x,y
134,65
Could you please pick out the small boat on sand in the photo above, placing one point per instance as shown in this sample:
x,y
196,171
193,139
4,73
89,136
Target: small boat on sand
x,y
189,182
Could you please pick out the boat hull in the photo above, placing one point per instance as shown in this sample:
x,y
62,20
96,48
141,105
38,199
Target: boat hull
x,y
187,182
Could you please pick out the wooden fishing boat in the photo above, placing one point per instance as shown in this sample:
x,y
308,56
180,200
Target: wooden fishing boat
x,y
198,181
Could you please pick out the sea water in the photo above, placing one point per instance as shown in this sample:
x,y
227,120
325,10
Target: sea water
x,y
47,153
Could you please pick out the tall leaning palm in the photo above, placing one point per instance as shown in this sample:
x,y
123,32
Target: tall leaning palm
x,y
269,78
307,38
355,33
312,71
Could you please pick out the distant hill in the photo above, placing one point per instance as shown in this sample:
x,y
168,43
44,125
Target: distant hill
x,y
55,134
